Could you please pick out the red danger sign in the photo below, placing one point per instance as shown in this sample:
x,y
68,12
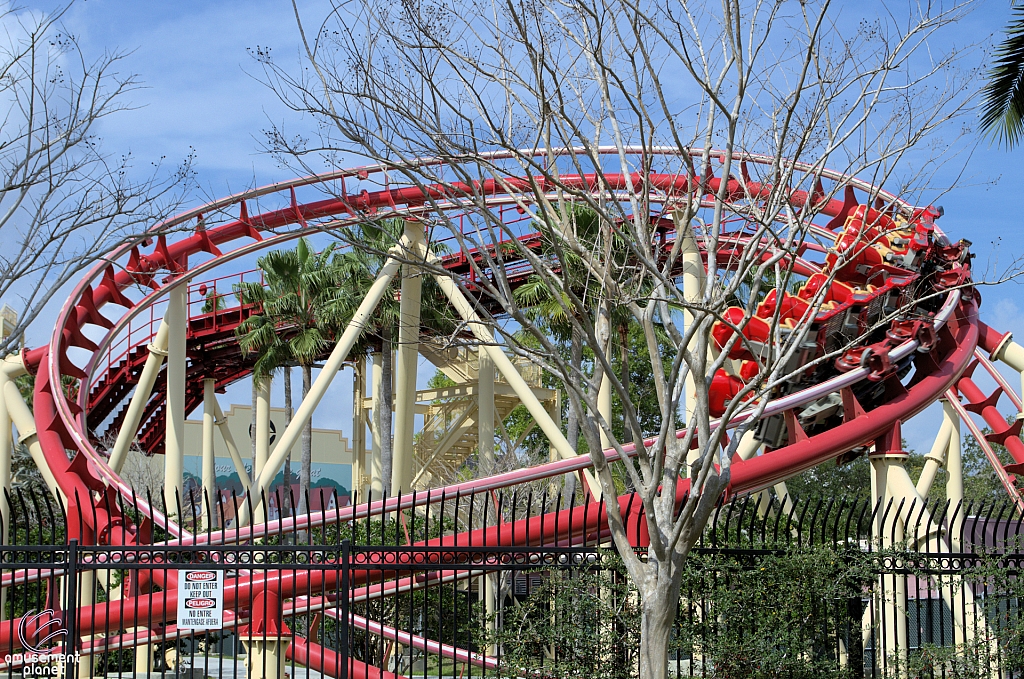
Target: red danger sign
x,y
201,576
200,598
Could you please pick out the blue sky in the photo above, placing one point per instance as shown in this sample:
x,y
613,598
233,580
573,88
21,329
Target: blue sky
x,y
192,57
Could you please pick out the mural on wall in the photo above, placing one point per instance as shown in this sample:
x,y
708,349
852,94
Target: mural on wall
x,y
330,470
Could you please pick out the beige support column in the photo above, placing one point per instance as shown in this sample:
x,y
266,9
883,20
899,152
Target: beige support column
x,y
490,582
1012,354
143,390
511,375
957,594
913,512
359,468
693,275
782,492
262,442
966,628
229,442
376,464
746,449
485,413
555,411
955,475
888,533
955,497
748,445
604,401
18,414
896,611
885,599
320,385
485,448
408,359
209,457
877,489
86,598
936,457
22,418
143,654
174,440
265,657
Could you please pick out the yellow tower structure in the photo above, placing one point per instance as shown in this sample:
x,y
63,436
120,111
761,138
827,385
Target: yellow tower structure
x,y
8,322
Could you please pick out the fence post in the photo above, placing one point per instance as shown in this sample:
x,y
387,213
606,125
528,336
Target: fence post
x,y
71,610
345,594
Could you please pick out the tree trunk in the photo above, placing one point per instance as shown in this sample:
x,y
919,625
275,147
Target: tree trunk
x,y
286,492
307,445
572,421
384,416
658,614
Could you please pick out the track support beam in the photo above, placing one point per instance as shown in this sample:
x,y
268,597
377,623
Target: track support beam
x,y
174,440
229,443
936,457
22,418
408,355
694,276
485,412
262,443
143,390
955,471
376,462
359,428
320,385
209,458
604,399
509,372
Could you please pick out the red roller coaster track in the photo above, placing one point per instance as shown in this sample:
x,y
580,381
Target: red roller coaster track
x,y
940,346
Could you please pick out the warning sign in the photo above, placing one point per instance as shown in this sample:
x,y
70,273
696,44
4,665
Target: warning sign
x,y
201,599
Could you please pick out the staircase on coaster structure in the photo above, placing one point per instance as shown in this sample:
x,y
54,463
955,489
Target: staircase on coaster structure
x,y
451,423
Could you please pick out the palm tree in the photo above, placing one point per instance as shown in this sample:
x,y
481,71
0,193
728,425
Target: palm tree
x,y
213,301
357,268
297,324
1002,112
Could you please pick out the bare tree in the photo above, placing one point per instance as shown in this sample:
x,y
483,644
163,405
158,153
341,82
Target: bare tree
x,y
64,200
142,474
570,104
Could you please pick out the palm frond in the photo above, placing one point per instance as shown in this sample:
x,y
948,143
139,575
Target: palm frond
x,y
1003,107
256,335
250,293
307,345
302,251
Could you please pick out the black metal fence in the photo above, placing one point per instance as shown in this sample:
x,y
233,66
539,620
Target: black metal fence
x,y
838,588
